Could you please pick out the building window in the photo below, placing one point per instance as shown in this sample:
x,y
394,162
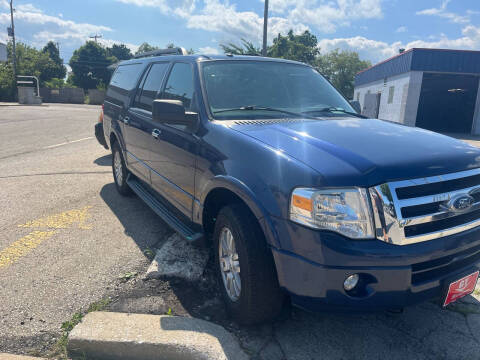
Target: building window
x,y
391,92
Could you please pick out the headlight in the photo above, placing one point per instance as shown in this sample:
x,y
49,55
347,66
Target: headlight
x,y
346,211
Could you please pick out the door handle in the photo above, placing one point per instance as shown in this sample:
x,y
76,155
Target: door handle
x,y
126,120
156,133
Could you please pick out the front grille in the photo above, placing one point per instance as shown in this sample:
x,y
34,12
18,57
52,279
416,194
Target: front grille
x,y
435,269
424,209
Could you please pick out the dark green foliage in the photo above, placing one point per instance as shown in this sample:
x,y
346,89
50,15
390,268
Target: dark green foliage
x,y
120,52
89,65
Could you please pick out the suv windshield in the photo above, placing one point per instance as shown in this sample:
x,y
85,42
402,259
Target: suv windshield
x,y
260,89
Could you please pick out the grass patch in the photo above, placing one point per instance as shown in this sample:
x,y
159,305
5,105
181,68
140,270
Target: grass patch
x,y
149,253
127,276
59,350
465,309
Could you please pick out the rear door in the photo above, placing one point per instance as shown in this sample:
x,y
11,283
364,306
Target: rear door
x,y
117,99
174,147
139,128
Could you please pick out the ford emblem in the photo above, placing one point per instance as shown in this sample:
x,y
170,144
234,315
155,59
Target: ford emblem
x,y
461,203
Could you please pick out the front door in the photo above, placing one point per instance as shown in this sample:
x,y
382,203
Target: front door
x,y
174,147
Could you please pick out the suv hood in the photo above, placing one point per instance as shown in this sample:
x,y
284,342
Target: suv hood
x,y
364,152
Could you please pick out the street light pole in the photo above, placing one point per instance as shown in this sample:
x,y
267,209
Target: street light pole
x,y
13,42
265,28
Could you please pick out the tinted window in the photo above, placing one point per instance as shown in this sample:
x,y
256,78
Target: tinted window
x,y
151,86
295,88
123,81
126,76
180,85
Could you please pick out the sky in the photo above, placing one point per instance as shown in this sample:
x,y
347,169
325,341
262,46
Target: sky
x,y
376,29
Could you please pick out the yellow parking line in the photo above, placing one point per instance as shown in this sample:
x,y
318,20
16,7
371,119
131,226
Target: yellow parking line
x,y
63,220
23,246
48,225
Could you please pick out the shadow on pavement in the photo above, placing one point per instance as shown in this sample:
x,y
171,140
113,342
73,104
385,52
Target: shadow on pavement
x,y
138,221
105,160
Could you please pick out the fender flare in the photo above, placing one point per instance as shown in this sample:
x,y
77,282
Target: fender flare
x,y
240,189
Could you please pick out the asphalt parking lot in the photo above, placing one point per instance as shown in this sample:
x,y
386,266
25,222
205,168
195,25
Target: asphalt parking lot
x,y
68,240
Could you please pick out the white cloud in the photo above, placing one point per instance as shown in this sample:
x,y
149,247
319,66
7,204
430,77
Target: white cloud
x,y
208,50
109,42
443,13
377,51
224,18
27,8
299,15
401,29
55,27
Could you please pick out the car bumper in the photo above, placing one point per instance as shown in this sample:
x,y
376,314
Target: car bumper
x,y
392,276
100,135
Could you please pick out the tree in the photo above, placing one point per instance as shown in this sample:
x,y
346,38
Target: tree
x,y
120,52
301,47
146,47
58,70
340,68
246,48
89,65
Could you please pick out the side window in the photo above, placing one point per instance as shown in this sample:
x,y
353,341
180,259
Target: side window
x,y
126,76
180,85
123,81
151,86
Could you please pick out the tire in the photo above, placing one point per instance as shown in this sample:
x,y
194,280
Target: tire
x,y
120,172
260,298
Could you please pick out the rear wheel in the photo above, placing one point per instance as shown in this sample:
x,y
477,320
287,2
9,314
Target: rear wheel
x,y
120,172
246,269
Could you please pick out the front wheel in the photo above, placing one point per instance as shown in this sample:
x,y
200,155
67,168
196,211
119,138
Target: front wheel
x,y
246,269
120,171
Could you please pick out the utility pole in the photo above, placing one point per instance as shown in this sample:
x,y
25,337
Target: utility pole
x,y
14,55
265,28
96,36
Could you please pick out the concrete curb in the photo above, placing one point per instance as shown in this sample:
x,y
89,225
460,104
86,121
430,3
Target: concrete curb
x,y
109,335
4,356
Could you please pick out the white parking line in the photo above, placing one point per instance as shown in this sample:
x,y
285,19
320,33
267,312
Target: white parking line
x,y
68,142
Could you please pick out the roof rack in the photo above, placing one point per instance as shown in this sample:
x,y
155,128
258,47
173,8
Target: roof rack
x,y
162,52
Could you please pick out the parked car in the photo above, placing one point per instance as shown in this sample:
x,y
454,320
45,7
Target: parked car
x,y
99,134
300,197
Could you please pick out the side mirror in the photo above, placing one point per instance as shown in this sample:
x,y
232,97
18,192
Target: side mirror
x,y
356,105
171,112
168,111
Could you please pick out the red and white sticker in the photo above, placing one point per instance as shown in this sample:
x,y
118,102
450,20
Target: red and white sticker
x,y
461,288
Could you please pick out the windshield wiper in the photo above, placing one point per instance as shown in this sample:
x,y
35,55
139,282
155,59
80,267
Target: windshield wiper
x,y
264,108
332,110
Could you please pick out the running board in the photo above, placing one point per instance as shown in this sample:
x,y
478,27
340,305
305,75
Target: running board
x,y
183,230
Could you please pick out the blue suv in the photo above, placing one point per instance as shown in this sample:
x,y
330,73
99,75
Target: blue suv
x,y
300,197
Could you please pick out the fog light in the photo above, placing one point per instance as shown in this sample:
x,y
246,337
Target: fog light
x,y
350,282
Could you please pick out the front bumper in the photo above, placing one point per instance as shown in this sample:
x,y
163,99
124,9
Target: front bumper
x,y
100,135
392,276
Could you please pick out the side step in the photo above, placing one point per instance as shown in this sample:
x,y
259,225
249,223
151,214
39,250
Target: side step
x,y
183,230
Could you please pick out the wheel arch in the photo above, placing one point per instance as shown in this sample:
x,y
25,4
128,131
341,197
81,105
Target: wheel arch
x,y
226,190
